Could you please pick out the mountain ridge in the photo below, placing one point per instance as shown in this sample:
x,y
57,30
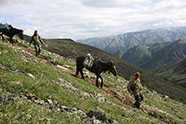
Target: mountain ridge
x,y
131,39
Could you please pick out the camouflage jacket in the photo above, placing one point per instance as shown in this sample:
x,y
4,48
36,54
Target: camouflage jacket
x,y
134,86
36,40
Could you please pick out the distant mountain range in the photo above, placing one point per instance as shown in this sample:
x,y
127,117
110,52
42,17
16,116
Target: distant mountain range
x,y
141,55
157,55
144,48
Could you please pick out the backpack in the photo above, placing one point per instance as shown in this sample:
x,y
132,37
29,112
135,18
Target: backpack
x,y
131,87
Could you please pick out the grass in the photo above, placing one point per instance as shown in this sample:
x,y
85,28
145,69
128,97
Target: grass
x,y
14,79
22,112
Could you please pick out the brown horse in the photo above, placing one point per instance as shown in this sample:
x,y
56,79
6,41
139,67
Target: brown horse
x,y
97,68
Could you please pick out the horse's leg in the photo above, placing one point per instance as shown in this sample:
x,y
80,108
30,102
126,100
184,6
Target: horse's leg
x,y
3,38
77,71
35,47
39,50
11,40
81,72
101,81
97,81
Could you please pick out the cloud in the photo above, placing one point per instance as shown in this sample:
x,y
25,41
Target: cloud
x,y
80,19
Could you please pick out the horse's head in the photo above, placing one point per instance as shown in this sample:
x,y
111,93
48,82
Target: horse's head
x,y
112,68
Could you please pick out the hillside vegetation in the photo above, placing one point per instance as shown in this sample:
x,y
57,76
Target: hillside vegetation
x,y
44,90
175,73
71,49
141,55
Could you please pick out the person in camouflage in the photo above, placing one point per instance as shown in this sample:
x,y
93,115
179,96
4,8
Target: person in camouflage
x,y
37,42
135,88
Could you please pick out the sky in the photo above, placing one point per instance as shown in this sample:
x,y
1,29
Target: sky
x,y
81,19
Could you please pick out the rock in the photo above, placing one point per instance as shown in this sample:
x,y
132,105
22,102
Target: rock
x,y
62,67
74,109
2,66
89,75
17,82
58,109
165,97
7,99
115,122
31,75
31,97
67,85
40,102
81,113
50,101
86,95
98,115
100,98
96,121
67,66
64,108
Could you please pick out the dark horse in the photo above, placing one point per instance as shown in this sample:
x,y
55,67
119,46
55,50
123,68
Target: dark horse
x,y
11,32
97,68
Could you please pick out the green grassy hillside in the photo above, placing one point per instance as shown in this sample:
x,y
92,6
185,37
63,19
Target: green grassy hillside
x,y
167,56
44,90
71,49
141,54
175,73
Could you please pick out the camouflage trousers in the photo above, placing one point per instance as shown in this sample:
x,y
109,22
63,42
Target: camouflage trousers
x,y
37,49
138,99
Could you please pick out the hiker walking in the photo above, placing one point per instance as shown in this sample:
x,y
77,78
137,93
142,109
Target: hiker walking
x,y
37,42
88,62
134,88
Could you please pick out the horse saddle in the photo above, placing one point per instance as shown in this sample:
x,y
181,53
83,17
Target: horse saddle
x,y
88,62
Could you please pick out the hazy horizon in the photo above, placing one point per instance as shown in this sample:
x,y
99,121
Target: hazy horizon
x,y
81,19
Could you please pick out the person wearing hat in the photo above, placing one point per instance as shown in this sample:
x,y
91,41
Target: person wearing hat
x,y
135,89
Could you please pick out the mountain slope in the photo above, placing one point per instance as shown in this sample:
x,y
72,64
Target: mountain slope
x,y
176,73
43,90
121,43
69,48
168,55
140,54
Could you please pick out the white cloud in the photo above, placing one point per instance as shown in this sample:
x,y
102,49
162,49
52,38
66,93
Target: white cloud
x,y
91,18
